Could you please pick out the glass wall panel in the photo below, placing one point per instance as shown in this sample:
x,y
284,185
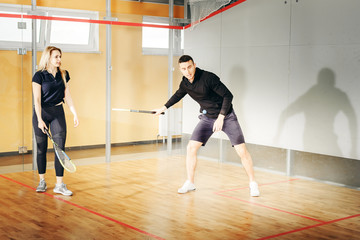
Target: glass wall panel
x,y
138,82
15,100
85,144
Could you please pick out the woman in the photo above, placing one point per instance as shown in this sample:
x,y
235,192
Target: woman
x,y
50,91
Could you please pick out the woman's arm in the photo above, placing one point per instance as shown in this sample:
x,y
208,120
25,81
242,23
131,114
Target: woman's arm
x,y
70,103
37,105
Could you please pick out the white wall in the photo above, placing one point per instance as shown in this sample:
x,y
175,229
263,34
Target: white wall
x,y
294,71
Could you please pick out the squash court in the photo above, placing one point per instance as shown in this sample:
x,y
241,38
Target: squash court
x,y
293,72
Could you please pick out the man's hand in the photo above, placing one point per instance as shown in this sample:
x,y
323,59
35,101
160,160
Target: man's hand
x,y
218,124
159,110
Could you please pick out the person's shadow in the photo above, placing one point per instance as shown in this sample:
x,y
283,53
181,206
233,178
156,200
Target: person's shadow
x,y
238,86
320,106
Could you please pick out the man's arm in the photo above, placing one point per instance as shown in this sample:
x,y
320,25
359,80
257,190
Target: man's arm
x,y
178,95
220,89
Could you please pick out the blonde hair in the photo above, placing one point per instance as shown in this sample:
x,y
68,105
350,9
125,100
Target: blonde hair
x,y
45,58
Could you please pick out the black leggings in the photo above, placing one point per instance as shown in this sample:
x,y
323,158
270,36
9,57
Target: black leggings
x,y
55,117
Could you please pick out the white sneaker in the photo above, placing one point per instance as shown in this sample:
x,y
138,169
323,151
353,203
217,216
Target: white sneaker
x,y
42,186
254,189
188,186
61,188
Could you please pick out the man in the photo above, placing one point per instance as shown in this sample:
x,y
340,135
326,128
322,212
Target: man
x,y
218,115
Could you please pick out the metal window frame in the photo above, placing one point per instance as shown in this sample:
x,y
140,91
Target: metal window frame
x,y
45,28
14,45
177,51
93,42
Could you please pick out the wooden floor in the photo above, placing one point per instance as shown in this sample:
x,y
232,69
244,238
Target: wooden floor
x,y
135,197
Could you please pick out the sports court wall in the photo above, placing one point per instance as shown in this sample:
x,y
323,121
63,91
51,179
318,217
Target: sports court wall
x,y
293,67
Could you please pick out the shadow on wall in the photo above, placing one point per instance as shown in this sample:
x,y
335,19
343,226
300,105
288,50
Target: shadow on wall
x,y
237,78
320,106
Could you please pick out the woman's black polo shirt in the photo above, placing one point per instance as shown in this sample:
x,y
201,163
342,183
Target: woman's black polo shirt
x,y
52,88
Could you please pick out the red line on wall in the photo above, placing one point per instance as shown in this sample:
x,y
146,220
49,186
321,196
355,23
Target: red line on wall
x,y
130,24
217,12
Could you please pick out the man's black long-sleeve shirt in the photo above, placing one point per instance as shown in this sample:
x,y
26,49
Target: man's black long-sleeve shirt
x,y
207,90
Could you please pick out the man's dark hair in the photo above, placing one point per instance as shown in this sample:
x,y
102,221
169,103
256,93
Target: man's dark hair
x,y
185,58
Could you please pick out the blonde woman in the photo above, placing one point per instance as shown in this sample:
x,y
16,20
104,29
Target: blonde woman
x,y
50,91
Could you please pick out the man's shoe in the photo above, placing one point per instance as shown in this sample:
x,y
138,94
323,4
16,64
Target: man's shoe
x,y
61,188
188,186
42,186
254,189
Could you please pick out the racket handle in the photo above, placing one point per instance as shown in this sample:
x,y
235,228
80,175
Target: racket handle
x,y
153,112
144,111
47,132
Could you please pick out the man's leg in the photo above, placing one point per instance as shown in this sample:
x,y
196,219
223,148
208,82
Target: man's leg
x,y
199,137
191,160
246,161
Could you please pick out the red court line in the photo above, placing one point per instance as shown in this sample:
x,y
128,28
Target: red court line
x,y
88,210
265,206
272,208
285,181
308,227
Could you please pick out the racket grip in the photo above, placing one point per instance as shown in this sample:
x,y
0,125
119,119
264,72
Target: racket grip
x,y
153,112
144,111
47,132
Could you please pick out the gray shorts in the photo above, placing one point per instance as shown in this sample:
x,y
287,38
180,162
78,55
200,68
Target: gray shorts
x,y
204,129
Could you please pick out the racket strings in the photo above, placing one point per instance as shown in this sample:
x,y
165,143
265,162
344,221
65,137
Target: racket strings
x,y
69,166
64,160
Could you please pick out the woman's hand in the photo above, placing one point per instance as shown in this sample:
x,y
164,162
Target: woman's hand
x,y
42,125
76,121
